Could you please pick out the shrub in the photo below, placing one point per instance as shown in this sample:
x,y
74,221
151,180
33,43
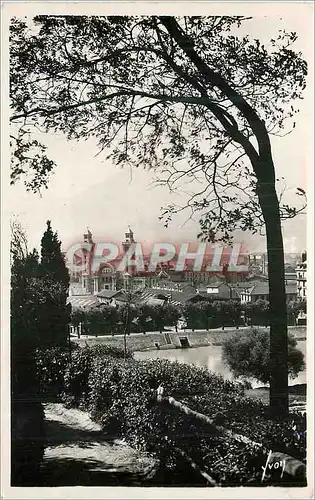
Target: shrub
x,y
121,395
52,364
247,355
108,350
62,371
257,312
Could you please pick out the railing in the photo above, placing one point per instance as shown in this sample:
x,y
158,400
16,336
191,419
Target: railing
x,y
292,466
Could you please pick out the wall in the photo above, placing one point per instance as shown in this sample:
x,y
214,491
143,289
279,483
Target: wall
x,y
141,342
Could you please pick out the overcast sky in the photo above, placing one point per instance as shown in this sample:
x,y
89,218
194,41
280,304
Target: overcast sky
x,y
86,191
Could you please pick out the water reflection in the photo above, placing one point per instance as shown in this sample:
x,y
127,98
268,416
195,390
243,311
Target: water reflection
x,y
211,357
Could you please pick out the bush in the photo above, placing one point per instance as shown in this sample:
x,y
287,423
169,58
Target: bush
x,y
257,313
247,355
123,398
62,371
121,395
52,364
100,350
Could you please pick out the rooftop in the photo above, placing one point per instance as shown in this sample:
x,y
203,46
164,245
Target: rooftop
x,y
108,294
173,297
84,301
263,289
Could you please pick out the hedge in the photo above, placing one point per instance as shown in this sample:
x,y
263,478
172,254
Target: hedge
x,y
121,395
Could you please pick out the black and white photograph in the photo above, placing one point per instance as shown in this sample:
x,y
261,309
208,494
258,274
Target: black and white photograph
x,y
157,258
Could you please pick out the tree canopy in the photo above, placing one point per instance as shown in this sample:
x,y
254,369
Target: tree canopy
x,y
52,260
184,96
248,355
39,290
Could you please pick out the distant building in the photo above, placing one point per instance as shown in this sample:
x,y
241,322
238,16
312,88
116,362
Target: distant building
x,y
165,284
218,290
290,278
258,264
83,301
151,296
288,268
129,241
239,287
109,296
301,277
260,291
301,319
256,277
89,282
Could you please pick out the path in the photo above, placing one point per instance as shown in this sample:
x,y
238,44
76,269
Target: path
x,y
79,454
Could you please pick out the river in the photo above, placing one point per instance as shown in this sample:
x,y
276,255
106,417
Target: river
x,y
211,357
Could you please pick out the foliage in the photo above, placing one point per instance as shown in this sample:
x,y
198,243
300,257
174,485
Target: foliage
x,y
32,292
52,261
51,364
55,310
58,367
77,316
247,355
145,318
203,314
94,322
295,306
121,395
39,314
27,416
187,96
18,243
212,314
109,319
257,312
158,92
107,350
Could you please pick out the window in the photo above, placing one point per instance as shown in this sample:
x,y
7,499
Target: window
x,y
106,270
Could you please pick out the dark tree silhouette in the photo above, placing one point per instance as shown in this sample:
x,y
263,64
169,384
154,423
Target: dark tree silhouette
x,y
186,96
27,415
55,310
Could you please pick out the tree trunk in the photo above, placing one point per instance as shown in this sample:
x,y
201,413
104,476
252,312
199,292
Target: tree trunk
x,y
279,403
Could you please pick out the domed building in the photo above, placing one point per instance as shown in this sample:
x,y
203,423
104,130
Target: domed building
x,y
93,282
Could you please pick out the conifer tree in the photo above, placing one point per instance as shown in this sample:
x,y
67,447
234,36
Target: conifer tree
x,y
56,312
52,261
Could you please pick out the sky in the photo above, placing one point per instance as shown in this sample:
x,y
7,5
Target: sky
x,y
88,191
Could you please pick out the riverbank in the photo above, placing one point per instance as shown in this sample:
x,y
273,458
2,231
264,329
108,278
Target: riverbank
x,y
297,396
175,340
